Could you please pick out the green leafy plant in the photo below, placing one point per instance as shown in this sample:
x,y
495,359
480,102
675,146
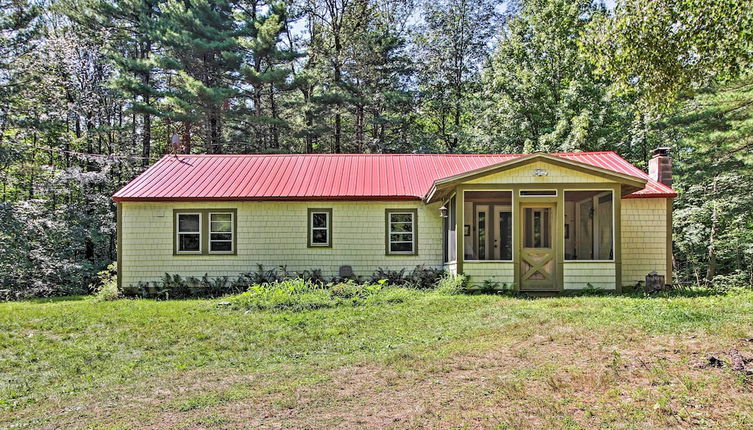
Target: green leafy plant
x,y
106,288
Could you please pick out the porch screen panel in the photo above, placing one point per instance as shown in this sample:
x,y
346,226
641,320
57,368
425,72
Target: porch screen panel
x,y
451,241
589,225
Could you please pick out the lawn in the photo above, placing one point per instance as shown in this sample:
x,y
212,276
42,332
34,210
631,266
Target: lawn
x,y
427,360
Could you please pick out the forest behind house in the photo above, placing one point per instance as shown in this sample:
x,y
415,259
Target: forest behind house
x,y
94,91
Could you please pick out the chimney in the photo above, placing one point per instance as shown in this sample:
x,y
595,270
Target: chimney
x,y
660,166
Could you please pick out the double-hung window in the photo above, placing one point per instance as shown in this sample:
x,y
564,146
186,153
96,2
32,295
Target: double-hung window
x,y
221,232
320,228
204,231
401,231
188,233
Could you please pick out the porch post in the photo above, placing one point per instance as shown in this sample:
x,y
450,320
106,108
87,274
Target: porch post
x,y
459,228
617,250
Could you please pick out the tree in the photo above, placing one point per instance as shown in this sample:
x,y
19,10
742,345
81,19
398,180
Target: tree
x,y
133,24
541,94
452,42
267,69
201,55
662,49
713,135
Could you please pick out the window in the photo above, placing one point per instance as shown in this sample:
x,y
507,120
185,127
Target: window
x,y
589,225
538,193
189,233
401,231
221,232
204,231
320,228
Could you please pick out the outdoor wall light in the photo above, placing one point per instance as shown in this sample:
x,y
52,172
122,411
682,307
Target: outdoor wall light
x,y
443,212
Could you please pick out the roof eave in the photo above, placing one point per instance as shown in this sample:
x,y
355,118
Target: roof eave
x,y
633,183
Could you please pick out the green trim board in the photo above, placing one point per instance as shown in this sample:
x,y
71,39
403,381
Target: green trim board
x,y
617,223
459,233
387,213
668,279
204,231
119,243
309,235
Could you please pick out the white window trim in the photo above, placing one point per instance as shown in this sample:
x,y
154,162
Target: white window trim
x,y
178,233
232,233
412,233
328,229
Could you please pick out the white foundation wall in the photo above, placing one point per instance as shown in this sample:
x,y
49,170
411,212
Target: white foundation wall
x,y
274,234
645,226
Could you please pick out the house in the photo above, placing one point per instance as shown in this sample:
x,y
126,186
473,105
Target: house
x,y
538,222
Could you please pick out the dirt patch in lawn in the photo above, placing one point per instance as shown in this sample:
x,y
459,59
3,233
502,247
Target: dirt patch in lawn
x,y
567,378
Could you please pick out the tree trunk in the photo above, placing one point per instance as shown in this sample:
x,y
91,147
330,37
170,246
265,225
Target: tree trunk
x,y
146,138
359,127
275,132
711,269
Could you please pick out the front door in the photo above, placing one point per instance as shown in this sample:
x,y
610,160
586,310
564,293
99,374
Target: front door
x,y
537,257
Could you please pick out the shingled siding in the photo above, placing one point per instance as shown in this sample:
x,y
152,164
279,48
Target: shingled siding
x,y
644,239
274,234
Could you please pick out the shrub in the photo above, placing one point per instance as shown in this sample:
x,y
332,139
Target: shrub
x,y
425,277
391,277
176,287
421,277
451,284
106,289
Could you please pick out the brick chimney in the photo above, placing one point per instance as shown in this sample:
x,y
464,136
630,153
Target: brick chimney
x,y
660,166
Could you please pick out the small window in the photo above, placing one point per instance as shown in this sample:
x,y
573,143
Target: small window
x,y
221,232
189,233
538,193
320,227
401,232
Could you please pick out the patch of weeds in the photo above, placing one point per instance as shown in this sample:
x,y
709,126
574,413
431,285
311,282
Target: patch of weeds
x,y
301,295
212,420
201,401
451,284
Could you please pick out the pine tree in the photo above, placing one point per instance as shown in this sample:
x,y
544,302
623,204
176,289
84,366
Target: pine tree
x,y
267,70
201,56
133,24
712,137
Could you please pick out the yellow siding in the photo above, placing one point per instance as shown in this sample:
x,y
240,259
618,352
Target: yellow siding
x,y
273,234
644,239
501,273
525,175
579,275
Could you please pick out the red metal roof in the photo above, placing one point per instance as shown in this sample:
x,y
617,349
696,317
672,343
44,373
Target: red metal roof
x,y
331,176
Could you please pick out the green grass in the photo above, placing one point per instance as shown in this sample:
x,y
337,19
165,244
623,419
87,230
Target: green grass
x,y
571,362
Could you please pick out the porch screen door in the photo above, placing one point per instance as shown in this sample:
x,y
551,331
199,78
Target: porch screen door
x,y
537,259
